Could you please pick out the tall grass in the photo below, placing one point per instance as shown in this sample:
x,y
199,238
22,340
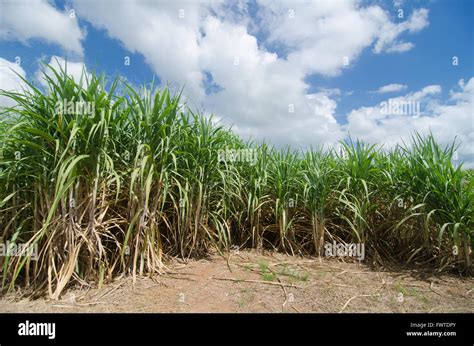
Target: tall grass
x,y
140,178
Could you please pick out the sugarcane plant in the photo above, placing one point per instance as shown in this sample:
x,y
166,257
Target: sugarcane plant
x,y
104,179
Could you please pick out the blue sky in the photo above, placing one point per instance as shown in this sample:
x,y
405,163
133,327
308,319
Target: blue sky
x,y
272,69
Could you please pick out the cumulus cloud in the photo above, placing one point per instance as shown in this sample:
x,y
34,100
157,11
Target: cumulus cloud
x,y
10,80
263,95
310,31
165,33
399,47
398,3
39,19
387,38
446,121
390,88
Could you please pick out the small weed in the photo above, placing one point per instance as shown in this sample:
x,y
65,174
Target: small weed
x,y
293,274
268,277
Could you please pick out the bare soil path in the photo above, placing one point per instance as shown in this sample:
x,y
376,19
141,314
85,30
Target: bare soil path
x,y
269,282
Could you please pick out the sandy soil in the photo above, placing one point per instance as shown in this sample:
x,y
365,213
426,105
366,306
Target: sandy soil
x,y
270,282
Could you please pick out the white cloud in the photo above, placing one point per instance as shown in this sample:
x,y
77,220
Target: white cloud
x,y
10,81
265,97
390,88
165,33
398,3
400,47
38,19
389,31
322,34
184,42
446,121
261,94
310,29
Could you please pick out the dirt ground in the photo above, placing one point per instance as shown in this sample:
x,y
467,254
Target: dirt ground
x,y
251,281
